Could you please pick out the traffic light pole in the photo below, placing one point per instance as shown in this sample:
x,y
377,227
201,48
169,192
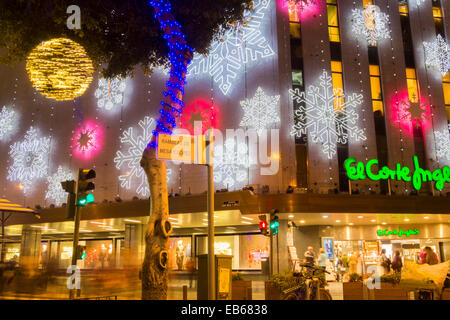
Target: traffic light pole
x,y
211,251
76,233
271,256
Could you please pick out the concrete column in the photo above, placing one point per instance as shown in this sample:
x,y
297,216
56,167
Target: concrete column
x,y
30,248
355,67
323,173
400,139
134,245
429,80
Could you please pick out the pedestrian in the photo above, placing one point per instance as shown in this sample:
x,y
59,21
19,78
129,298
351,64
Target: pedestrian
x,y
310,256
397,263
431,257
191,269
384,263
339,267
322,261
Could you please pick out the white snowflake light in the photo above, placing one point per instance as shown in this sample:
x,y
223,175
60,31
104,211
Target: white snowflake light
x,y
55,192
30,159
261,111
419,2
8,119
129,160
443,144
238,47
231,162
326,124
437,55
110,92
371,23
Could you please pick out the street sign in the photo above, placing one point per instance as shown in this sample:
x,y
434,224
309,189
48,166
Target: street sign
x,y
182,148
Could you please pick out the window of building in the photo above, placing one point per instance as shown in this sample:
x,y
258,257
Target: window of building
x,y
413,89
403,9
180,252
446,85
333,21
294,15
375,84
338,84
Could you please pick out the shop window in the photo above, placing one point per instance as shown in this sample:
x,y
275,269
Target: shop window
x,y
338,84
375,84
293,12
403,9
411,80
295,30
333,21
180,253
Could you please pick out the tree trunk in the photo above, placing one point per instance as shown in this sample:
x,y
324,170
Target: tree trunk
x,y
155,265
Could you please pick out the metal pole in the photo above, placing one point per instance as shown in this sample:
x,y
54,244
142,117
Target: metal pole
x,y
278,257
271,256
3,238
76,232
211,255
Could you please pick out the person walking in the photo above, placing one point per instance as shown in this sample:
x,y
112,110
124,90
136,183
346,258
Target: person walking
x,y
431,257
322,261
384,263
397,263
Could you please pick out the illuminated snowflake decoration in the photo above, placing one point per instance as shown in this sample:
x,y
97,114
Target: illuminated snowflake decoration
x,y
30,159
414,111
318,115
443,144
231,163
129,160
168,174
240,46
261,111
371,23
437,55
55,192
8,123
110,92
420,2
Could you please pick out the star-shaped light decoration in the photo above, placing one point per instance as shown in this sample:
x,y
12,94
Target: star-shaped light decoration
x,y
87,140
199,111
414,110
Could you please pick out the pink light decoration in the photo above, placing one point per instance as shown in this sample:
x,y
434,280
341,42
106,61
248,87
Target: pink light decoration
x,y
301,9
87,140
410,112
199,110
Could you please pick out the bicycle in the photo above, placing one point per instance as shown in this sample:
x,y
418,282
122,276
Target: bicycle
x,y
311,289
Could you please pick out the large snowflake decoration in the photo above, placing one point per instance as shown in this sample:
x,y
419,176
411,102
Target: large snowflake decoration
x,y
30,159
437,54
110,92
419,2
443,144
7,123
239,46
261,111
231,162
129,160
327,123
414,111
371,23
55,191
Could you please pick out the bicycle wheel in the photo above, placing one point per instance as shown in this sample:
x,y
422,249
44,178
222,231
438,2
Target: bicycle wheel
x,y
291,296
325,294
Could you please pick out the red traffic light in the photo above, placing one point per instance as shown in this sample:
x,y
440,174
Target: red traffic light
x,y
263,225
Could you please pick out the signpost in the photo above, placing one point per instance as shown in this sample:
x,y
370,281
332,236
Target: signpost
x,y
196,150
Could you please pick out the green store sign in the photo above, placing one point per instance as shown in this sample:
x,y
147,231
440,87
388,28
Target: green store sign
x,y
360,171
398,232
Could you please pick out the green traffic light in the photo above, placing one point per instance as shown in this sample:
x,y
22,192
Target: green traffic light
x,y
83,255
90,198
82,202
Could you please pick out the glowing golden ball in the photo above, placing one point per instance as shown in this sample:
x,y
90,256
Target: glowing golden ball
x,y
60,69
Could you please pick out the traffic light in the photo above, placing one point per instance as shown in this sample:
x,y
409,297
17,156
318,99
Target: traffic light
x,y
69,187
263,225
84,185
81,252
274,224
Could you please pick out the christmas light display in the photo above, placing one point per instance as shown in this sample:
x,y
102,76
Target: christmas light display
x,y
443,144
231,162
199,111
180,56
8,123
419,2
128,158
30,159
55,192
238,47
414,111
437,55
87,140
371,23
261,111
318,115
110,92
60,69
299,9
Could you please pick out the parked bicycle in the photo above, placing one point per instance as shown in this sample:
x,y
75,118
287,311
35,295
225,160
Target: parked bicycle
x,y
308,285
